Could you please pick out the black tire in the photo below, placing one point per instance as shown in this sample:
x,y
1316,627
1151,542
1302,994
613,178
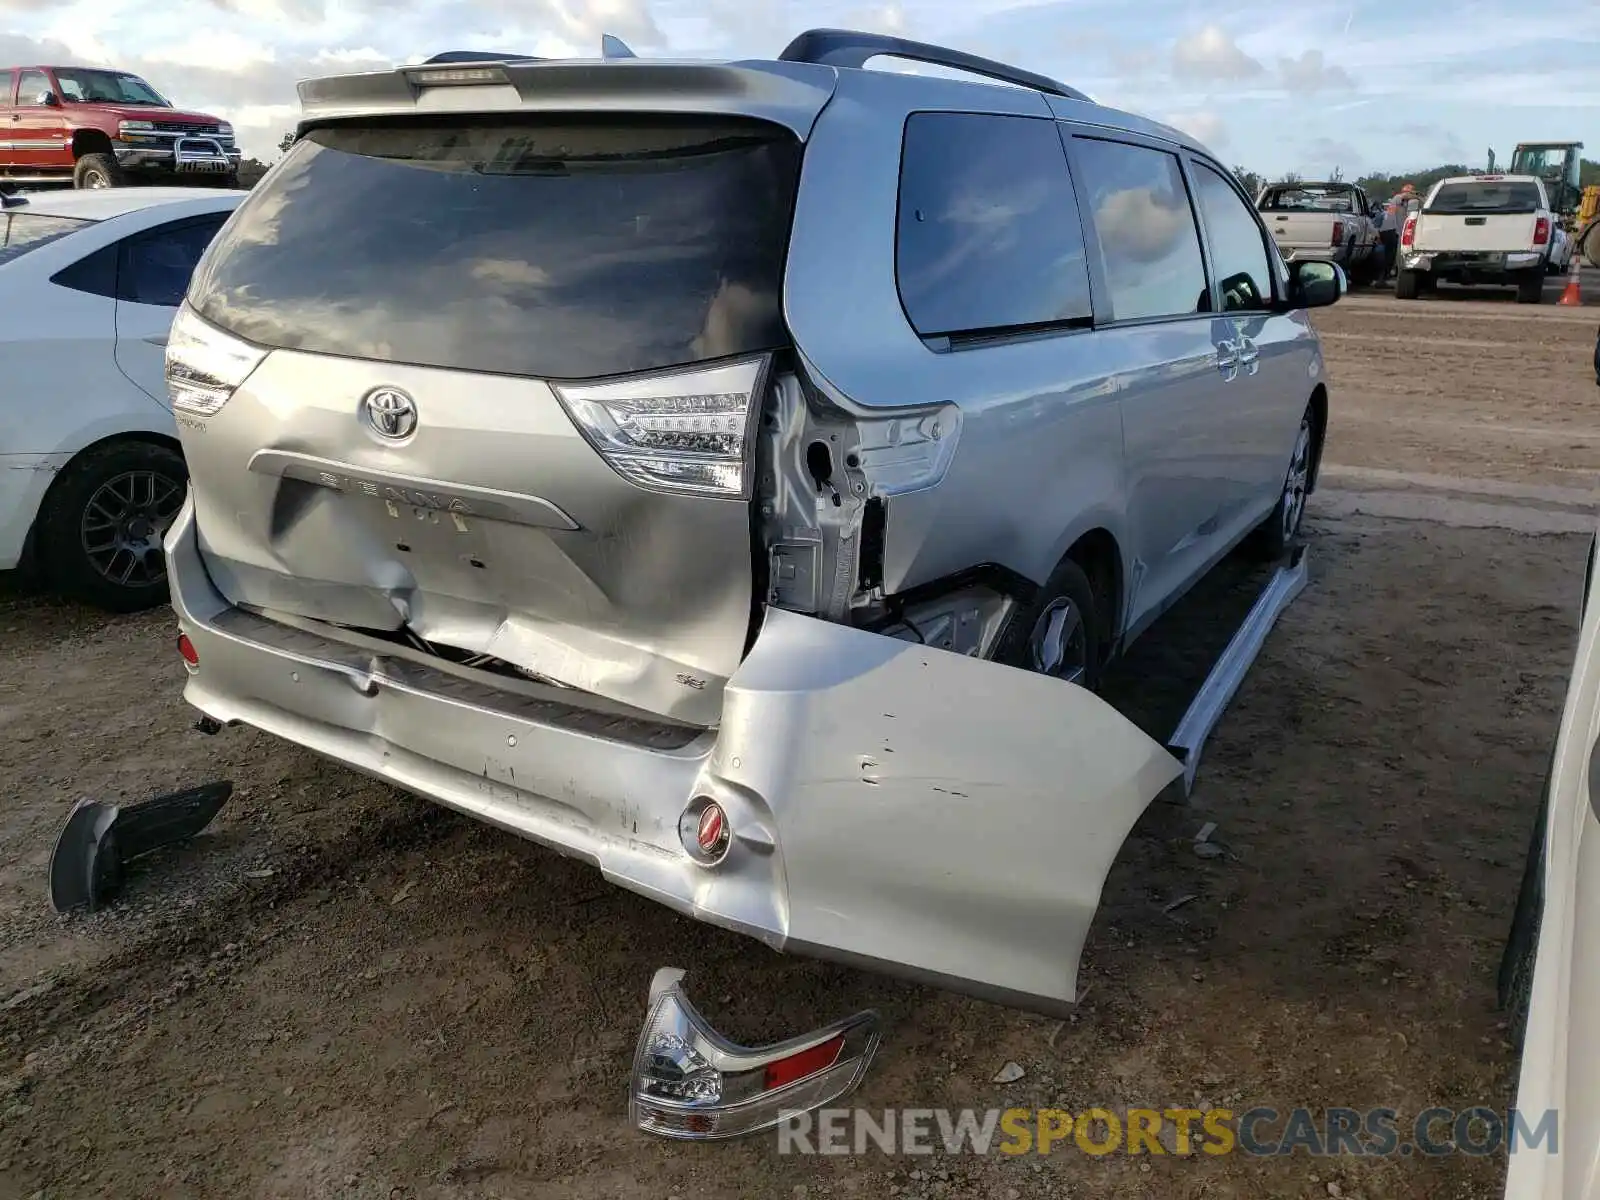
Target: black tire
x,y
1530,288
1273,537
100,530
1067,602
1515,983
98,171
1407,285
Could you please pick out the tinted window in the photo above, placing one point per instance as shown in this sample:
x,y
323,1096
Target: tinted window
x,y
24,231
989,236
157,264
1483,198
1311,197
96,273
558,247
1238,253
32,85
1146,228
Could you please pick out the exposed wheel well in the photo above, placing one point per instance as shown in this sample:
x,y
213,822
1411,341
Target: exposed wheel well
x,y
1101,559
89,141
1319,417
30,552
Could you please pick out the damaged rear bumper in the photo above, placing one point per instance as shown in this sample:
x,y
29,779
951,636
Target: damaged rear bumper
x,y
887,804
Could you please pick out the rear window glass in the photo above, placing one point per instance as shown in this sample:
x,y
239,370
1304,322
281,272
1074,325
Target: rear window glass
x,y
1309,199
1483,198
24,231
564,248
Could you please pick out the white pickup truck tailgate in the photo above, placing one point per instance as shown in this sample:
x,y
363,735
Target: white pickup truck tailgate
x,y
1305,230
1502,231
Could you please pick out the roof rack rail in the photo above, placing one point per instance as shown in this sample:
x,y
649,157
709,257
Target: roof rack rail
x,y
849,48
471,56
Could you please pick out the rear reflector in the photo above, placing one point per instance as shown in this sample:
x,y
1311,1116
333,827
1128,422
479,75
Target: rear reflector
x,y
191,656
808,1062
690,1082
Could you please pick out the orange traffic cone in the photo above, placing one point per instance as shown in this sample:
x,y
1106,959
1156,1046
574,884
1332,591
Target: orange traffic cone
x,y
1572,296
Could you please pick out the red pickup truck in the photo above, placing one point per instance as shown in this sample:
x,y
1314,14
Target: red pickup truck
x,y
96,128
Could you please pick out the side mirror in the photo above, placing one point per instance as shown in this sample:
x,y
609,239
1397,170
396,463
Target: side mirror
x,y
1315,284
47,100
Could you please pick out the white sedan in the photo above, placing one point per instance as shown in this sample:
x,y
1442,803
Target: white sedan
x,y
90,469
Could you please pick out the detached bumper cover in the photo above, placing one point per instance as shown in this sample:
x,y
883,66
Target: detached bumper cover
x,y
890,805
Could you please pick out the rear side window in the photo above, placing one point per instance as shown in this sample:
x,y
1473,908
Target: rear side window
x,y
157,264
563,248
1140,208
23,231
988,232
1238,248
1486,198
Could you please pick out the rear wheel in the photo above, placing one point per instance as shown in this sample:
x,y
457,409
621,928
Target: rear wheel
x,y
98,171
1530,288
1407,285
1060,634
101,529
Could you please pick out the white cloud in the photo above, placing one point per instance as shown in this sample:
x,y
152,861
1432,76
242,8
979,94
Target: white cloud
x,y
1310,73
1212,54
1206,128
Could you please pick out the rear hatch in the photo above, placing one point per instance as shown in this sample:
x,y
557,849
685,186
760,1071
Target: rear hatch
x,y
488,384
1483,215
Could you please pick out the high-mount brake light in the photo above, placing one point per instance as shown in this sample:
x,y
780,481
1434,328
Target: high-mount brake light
x,y
457,76
687,430
205,366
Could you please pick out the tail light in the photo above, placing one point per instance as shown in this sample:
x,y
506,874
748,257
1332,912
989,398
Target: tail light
x,y
204,365
186,651
1338,233
681,431
1408,235
690,1082
1541,231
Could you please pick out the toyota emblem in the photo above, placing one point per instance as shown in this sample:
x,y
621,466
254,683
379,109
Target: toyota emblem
x,y
391,413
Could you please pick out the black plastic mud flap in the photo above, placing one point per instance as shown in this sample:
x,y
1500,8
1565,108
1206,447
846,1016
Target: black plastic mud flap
x,y
98,840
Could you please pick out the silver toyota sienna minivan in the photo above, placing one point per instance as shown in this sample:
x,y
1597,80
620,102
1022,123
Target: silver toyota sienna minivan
x,y
739,474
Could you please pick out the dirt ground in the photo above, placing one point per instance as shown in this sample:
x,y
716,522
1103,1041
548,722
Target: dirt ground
x,y
343,991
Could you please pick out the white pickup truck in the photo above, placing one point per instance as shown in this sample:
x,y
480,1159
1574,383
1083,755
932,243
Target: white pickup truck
x,y
1482,229
1331,222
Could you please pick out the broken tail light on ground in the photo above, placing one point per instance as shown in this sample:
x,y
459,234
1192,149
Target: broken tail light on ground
x,y
690,1082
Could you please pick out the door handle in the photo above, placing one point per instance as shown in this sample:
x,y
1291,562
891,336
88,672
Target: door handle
x,y
1228,360
1249,356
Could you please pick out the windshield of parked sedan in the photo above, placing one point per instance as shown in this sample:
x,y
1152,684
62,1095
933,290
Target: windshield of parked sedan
x,y
107,87
22,231
1479,198
1309,199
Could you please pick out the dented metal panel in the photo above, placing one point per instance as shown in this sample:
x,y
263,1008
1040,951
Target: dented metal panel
x,y
912,841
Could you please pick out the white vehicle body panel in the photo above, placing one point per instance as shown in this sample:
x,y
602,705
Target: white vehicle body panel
x,y
1561,1046
59,357
1503,232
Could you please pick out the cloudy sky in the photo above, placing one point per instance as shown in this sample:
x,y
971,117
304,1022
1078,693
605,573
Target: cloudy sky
x,y
1274,85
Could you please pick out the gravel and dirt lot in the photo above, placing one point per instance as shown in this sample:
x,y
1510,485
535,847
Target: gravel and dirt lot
x,y
343,991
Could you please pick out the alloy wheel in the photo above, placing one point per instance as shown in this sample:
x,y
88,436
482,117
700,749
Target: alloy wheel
x,y
123,525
